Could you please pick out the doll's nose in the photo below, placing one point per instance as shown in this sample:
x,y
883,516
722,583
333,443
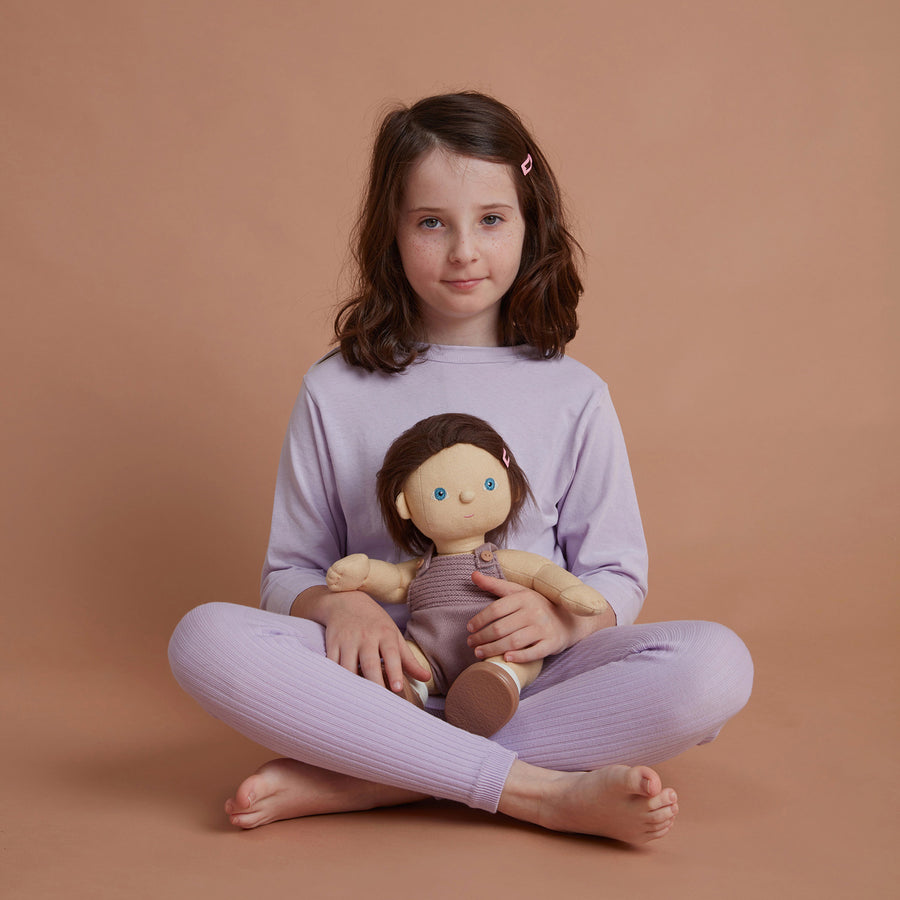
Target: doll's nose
x,y
466,496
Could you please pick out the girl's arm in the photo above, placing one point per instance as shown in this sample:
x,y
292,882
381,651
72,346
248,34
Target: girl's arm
x,y
308,533
552,581
598,526
386,582
599,531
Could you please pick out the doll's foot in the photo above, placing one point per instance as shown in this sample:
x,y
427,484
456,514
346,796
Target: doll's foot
x,y
288,789
625,803
483,699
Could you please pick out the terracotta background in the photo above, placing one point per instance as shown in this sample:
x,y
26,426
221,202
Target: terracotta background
x,y
177,184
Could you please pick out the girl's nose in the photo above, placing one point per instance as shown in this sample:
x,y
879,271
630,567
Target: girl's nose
x,y
466,496
464,248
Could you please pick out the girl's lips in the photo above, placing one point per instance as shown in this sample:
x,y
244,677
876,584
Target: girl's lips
x,y
464,285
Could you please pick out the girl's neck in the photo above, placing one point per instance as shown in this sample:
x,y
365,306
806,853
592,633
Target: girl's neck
x,y
461,341
475,332
462,337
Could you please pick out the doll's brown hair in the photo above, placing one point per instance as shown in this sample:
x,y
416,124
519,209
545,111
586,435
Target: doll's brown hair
x,y
379,326
426,439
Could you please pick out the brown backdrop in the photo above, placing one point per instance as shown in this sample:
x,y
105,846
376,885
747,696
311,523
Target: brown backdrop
x,y
177,185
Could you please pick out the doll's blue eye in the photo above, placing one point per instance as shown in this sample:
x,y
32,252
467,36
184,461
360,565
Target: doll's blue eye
x,y
489,484
440,494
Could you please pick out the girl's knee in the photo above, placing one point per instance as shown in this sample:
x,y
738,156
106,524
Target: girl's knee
x,y
708,679
217,636
722,670
736,663
190,634
202,632
200,621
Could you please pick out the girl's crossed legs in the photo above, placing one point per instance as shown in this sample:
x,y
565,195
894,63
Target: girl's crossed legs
x,y
584,733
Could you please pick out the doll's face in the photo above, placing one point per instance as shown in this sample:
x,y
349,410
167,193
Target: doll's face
x,y
462,492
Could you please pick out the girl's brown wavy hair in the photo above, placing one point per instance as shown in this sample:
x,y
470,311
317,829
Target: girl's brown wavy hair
x,y
416,446
379,327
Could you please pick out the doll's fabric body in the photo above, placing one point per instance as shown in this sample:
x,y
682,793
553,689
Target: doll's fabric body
x,y
441,600
628,694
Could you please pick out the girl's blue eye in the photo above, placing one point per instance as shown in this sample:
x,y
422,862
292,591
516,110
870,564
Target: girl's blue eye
x,y
431,222
440,494
494,219
489,484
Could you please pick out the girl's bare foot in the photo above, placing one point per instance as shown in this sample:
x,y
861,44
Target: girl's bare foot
x,y
620,802
287,789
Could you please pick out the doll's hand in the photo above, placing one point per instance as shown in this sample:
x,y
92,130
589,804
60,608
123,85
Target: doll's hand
x,y
349,573
359,634
521,625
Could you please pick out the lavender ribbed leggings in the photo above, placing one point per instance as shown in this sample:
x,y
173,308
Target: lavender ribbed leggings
x,y
635,694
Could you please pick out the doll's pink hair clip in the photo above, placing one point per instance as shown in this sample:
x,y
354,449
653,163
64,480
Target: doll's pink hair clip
x,y
526,166
505,458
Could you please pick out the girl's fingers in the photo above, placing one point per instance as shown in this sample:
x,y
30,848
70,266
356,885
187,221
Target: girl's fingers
x,y
524,639
494,612
498,630
499,587
540,650
393,668
411,664
370,667
341,655
387,666
507,615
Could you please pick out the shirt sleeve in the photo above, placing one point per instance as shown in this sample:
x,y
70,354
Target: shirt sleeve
x,y
307,523
599,528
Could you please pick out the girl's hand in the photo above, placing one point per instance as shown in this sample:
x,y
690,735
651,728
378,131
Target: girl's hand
x,y
521,625
359,634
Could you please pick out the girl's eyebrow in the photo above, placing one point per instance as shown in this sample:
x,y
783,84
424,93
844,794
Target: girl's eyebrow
x,y
440,209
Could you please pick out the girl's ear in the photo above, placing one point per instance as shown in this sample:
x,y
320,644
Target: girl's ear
x,y
402,508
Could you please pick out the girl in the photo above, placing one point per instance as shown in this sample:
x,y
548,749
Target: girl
x,y
465,301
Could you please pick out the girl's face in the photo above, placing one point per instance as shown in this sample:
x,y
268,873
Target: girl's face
x,y
457,497
460,240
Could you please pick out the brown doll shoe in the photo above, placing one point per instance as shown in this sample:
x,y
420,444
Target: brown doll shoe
x,y
482,699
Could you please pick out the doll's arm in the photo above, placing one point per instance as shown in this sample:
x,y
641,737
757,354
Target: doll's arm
x,y
555,583
384,581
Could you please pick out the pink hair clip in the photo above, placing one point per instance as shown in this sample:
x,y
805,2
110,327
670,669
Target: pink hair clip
x,y
505,458
526,166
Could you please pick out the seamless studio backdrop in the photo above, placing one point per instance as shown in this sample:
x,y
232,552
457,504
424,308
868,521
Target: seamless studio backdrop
x,y
178,183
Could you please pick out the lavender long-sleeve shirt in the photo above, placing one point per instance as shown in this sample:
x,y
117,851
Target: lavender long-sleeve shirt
x,y
557,417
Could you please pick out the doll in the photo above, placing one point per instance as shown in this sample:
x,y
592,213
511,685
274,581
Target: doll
x,y
450,489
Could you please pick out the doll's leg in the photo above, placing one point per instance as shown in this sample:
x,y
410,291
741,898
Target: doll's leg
x,y
635,694
485,696
525,673
267,676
